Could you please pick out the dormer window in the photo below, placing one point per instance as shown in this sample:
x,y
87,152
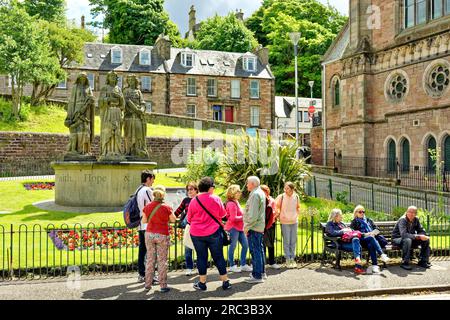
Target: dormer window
x,y
187,59
144,57
116,55
249,63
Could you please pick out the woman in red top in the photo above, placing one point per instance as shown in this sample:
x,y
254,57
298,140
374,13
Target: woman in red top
x,y
269,232
157,215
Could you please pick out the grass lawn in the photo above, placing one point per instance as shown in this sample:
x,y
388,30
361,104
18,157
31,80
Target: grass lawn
x,y
50,119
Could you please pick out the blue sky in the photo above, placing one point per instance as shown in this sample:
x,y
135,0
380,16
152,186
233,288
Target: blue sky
x,y
178,9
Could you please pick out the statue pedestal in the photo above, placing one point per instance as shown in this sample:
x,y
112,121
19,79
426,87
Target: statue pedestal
x,y
97,184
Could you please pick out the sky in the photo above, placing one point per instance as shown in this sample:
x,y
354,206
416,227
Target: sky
x,y
179,9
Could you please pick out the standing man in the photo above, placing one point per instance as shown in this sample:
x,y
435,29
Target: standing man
x,y
144,197
409,234
254,224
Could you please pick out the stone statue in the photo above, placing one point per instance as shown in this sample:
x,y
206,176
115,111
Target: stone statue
x,y
135,126
80,120
111,104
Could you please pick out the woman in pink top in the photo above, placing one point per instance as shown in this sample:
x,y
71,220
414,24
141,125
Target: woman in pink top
x,y
288,209
235,226
206,233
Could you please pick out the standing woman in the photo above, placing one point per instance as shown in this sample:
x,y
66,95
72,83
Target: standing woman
x,y
288,210
205,214
269,232
235,226
181,213
157,215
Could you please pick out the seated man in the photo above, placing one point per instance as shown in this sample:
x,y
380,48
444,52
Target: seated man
x,y
409,234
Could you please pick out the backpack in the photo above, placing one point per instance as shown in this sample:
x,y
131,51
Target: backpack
x,y
131,212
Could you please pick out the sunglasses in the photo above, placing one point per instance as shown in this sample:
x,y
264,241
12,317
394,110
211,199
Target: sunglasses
x,y
362,211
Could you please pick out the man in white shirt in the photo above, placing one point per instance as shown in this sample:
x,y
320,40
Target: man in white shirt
x,y
144,197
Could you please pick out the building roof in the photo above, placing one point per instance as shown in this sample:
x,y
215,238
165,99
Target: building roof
x,y
285,105
213,63
339,45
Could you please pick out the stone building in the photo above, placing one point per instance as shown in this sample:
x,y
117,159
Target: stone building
x,y
386,84
210,85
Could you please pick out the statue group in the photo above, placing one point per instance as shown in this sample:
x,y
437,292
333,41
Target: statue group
x,y
117,111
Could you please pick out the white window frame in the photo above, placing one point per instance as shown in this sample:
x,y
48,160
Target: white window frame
x,y
184,59
116,49
147,104
254,123
191,86
141,62
246,63
149,89
258,95
190,114
234,90
91,83
211,87
58,86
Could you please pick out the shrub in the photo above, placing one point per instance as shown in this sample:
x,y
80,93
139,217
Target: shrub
x,y
342,197
202,163
6,114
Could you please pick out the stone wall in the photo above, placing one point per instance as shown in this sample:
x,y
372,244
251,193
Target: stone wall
x,y
20,152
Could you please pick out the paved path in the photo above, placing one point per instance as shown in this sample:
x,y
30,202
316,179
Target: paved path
x,y
308,279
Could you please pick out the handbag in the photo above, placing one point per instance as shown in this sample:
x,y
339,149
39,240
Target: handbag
x,y
348,236
187,240
225,234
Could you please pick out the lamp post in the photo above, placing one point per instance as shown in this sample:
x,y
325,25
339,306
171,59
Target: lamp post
x,y
295,37
311,85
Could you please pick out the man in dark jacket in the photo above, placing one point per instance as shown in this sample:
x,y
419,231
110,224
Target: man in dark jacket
x,y
408,234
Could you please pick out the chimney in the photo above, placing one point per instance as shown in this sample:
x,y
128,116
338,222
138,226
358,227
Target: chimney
x,y
240,15
163,46
263,54
83,22
192,19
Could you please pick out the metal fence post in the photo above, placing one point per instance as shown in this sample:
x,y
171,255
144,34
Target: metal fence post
x,y
330,186
373,197
426,201
350,191
312,238
398,197
315,187
428,223
11,252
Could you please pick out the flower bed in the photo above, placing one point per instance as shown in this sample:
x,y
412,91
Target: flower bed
x,y
104,238
39,186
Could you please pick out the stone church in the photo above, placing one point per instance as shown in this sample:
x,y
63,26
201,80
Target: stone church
x,y
386,82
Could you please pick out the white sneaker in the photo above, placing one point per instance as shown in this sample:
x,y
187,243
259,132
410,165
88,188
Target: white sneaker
x,y
247,268
293,264
253,280
264,276
235,269
376,269
384,258
274,266
189,272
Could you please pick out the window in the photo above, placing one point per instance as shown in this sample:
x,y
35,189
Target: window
x,y
437,9
300,116
10,82
306,117
405,155
421,11
254,116
116,55
144,57
249,64
392,156
191,87
254,89
91,79
187,59
146,84
217,113
235,89
431,161
62,84
337,93
447,154
191,111
148,107
212,88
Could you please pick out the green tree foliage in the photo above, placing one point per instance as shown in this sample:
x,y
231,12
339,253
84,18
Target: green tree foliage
x,y
137,22
319,25
24,50
49,10
225,34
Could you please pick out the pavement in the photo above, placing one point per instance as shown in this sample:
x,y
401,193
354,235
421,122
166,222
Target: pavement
x,y
309,281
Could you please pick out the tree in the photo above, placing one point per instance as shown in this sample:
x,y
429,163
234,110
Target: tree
x,y
319,25
24,50
225,34
49,10
66,43
137,22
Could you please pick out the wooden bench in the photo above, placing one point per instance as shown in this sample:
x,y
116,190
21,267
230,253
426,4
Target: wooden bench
x,y
331,244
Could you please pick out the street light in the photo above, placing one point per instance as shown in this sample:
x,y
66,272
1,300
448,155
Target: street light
x,y
295,37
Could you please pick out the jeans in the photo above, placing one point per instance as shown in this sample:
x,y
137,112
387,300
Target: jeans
x,y
255,244
214,243
188,257
142,253
354,246
373,247
271,254
408,244
289,233
235,237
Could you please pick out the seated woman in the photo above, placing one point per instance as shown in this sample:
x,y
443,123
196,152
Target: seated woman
x,y
335,228
370,235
